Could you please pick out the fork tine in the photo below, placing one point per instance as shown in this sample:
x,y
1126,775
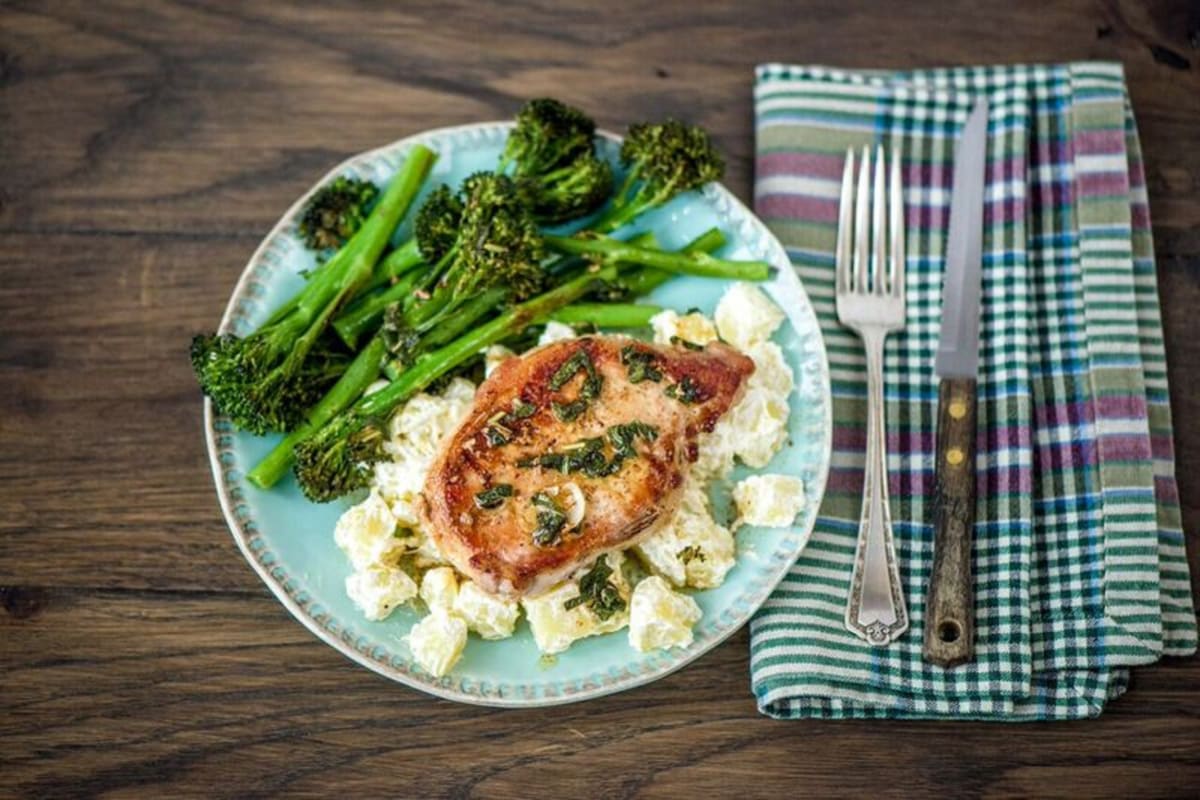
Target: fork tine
x,y
896,226
862,224
878,231
844,235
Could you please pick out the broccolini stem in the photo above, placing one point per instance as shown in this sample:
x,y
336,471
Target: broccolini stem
x,y
363,316
615,217
700,264
332,288
324,281
628,205
373,236
432,366
558,265
607,315
465,316
646,279
395,264
361,373
334,263
450,328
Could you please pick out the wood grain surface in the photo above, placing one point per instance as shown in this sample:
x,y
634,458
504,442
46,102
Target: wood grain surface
x,y
145,148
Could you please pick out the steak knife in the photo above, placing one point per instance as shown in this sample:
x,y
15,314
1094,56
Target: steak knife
x,y
949,603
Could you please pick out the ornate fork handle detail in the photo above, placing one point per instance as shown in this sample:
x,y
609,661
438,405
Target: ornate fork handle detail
x,y
876,610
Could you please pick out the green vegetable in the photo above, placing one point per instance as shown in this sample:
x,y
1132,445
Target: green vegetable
x,y
568,192
340,456
436,227
662,160
521,409
501,426
406,345
497,433
688,263
600,594
354,381
607,315
400,261
579,361
585,456
646,279
335,212
267,380
497,245
624,435
364,315
547,135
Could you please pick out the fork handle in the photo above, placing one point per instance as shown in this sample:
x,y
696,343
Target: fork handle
x,y
949,606
876,610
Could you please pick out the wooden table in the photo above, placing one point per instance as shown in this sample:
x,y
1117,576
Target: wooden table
x,y
144,151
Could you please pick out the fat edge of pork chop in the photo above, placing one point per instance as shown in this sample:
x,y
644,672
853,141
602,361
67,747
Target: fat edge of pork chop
x,y
611,419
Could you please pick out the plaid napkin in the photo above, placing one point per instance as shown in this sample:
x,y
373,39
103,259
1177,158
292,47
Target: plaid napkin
x,y
1080,569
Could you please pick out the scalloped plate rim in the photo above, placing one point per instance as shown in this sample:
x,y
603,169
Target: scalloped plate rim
x,y
678,658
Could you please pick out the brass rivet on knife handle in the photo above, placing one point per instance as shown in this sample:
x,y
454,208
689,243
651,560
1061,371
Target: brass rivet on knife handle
x,y
949,603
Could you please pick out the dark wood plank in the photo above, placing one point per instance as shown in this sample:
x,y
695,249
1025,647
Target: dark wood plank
x,y
144,150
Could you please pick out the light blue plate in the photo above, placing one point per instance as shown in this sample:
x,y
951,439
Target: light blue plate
x,y
289,541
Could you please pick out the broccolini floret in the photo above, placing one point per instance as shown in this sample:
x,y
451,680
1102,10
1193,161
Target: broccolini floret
x,y
569,192
267,380
550,154
548,134
335,212
248,382
497,246
662,160
437,222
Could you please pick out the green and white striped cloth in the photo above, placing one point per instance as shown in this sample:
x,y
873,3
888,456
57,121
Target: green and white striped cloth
x,y
1079,563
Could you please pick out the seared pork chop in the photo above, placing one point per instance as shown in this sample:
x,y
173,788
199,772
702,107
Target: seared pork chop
x,y
574,449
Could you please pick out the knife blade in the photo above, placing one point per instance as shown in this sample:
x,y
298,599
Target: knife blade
x,y
949,604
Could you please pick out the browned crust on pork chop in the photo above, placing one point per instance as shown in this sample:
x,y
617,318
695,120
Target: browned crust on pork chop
x,y
495,546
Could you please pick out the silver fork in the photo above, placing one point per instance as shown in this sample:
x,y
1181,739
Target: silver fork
x,y
870,301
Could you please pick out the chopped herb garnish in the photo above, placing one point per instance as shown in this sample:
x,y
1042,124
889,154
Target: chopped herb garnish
x,y
680,341
499,428
497,435
521,409
686,391
639,364
550,520
623,437
587,455
569,412
493,497
579,360
600,594
691,553
590,390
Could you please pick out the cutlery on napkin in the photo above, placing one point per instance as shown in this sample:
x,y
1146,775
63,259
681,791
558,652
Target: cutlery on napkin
x,y
1078,559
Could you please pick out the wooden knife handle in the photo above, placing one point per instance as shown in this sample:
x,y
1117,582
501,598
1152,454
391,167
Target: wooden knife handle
x,y
950,604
